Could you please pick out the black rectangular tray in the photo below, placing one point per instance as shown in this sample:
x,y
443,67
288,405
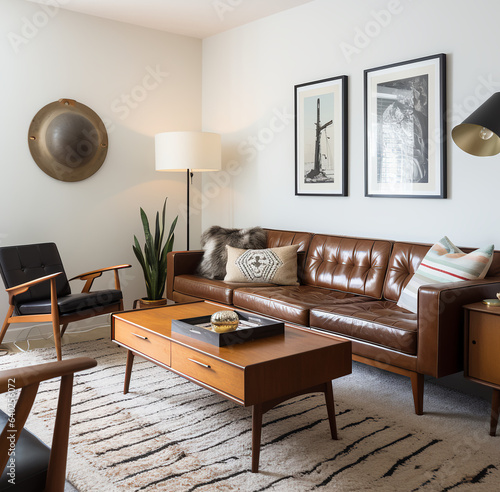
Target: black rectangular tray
x,y
267,328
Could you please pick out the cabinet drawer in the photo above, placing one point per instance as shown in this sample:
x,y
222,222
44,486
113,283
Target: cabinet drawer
x,y
484,347
143,341
220,375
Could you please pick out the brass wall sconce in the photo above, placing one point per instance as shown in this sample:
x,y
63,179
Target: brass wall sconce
x,y
67,140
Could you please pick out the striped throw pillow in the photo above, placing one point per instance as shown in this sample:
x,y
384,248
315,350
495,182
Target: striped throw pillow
x,y
445,263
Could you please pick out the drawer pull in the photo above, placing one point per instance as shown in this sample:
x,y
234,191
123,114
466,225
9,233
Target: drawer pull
x,y
140,336
195,331
200,363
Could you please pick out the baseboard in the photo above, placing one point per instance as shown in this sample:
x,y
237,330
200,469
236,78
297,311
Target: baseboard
x,y
17,333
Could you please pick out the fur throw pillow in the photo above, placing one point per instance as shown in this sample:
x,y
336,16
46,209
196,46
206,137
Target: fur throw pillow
x,y
214,240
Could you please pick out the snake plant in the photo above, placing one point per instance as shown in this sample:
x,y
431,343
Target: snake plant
x,y
154,259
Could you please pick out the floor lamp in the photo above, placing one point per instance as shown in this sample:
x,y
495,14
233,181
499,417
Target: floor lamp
x,y
187,152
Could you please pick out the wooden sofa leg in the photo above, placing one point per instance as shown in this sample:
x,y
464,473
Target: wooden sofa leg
x,y
417,386
417,379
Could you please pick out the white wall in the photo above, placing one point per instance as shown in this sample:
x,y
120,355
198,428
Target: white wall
x,y
249,75
96,62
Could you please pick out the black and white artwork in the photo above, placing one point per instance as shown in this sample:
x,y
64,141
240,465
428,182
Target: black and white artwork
x,y
321,137
405,152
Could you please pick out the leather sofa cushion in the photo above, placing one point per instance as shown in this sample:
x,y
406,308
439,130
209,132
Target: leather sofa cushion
x,y
32,460
73,303
353,265
290,304
380,322
210,289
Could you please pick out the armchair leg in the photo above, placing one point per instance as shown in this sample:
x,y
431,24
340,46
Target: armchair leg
x,y
56,472
6,323
57,340
63,329
54,310
57,336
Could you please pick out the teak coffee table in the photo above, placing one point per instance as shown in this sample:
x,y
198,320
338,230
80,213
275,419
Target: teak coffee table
x,y
260,373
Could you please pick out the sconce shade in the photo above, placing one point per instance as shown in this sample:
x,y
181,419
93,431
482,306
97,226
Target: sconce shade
x,y
196,151
479,134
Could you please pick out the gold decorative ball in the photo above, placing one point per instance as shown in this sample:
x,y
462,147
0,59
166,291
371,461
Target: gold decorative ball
x,y
224,321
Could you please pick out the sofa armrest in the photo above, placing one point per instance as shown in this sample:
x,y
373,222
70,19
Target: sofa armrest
x,y
181,263
441,323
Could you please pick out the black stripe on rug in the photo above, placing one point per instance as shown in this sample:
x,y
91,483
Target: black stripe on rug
x,y
403,460
328,479
347,449
472,480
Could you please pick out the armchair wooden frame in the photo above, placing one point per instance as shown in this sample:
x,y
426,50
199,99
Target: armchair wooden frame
x,y
28,380
54,317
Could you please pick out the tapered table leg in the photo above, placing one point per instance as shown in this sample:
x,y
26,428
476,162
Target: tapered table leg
x,y
256,434
495,408
128,371
330,406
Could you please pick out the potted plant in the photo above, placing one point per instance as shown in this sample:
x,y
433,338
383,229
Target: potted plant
x,y
154,259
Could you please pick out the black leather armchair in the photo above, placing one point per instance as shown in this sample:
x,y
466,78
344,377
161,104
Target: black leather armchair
x,y
39,290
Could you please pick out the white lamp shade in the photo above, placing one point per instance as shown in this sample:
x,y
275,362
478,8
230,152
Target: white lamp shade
x,y
196,151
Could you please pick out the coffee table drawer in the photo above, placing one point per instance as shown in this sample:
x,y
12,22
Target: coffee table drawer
x,y
218,374
143,341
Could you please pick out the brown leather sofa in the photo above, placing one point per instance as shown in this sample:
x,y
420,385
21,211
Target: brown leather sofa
x,y
349,287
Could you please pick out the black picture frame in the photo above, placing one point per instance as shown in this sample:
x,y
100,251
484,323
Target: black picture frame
x,y
405,129
321,137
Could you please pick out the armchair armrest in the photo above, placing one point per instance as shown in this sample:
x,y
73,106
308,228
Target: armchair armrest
x,y
25,376
181,263
21,288
91,276
441,320
29,378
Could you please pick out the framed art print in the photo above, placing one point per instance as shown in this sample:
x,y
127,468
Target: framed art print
x,y
405,129
321,137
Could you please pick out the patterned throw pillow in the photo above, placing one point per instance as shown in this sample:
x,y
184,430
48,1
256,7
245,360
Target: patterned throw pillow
x,y
445,263
272,265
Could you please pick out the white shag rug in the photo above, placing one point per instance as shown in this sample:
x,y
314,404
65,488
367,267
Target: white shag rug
x,y
169,434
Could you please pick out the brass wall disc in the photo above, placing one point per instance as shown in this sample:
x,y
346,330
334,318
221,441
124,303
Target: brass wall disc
x,y
68,140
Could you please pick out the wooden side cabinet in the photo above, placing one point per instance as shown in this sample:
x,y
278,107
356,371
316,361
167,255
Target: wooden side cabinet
x,y
482,351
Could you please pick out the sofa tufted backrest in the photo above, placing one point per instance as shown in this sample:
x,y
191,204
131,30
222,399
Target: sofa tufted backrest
x,y
276,239
406,258
404,261
348,264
